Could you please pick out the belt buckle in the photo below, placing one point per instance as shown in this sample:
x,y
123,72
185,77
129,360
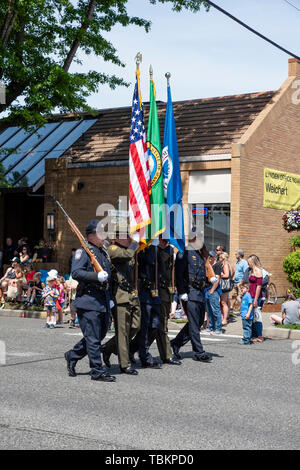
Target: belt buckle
x,y
154,293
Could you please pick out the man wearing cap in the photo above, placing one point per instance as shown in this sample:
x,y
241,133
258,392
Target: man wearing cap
x,y
150,306
165,267
190,282
126,313
92,304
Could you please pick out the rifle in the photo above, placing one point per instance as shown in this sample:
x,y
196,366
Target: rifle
x,y
84,243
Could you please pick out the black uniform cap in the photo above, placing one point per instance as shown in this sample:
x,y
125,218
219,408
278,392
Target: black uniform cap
x,y
93,226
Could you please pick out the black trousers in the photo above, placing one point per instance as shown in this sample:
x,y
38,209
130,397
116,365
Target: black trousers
x,y
195,312
94,327
150,319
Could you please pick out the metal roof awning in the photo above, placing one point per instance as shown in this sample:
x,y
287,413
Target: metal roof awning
x,y
23,152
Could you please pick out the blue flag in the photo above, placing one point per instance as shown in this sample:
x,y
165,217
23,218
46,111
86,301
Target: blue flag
x,y
172,181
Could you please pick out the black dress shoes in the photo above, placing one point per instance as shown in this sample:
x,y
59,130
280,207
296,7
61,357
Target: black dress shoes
x,y
70,366
173,361
153,365
203,358
132,359
106,360
106,377
128,370
175,350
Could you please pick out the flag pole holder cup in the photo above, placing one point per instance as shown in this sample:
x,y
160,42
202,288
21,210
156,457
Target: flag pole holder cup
x,y
154,293
134,295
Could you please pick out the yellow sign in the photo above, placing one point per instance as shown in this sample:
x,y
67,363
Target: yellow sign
x,y
281,190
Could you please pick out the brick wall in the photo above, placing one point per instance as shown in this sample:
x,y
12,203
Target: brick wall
x,y
272,141
101,185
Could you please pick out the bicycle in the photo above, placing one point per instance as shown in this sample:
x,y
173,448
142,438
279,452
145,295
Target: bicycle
x,y
271,292
269,296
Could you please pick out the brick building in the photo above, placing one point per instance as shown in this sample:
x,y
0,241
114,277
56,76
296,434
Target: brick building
x,y
224,145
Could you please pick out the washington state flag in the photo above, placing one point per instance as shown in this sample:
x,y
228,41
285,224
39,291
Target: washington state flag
x,y
157,200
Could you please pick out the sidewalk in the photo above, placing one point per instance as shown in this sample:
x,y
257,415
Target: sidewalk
x,y
234,326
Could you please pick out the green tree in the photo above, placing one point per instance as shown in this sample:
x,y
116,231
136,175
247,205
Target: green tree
x,y
291,266
3,182
39,40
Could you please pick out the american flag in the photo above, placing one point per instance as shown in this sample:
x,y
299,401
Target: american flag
x,y
139,174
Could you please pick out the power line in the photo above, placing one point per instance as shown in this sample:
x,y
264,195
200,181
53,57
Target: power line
x,y
292,5
252,30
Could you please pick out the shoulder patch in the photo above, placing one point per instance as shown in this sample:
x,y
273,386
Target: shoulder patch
x,y
78,253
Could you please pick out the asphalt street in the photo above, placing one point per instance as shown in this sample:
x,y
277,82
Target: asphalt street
x,y
247,398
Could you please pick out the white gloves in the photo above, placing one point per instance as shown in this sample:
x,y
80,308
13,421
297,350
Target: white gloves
x,y
102,276
135,237
111,304
184,297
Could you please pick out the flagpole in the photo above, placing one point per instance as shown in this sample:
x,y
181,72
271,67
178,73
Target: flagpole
x,y
168,76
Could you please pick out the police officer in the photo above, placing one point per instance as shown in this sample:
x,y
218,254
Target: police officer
x,y
190,282
92,304
150,306
127,315
165,267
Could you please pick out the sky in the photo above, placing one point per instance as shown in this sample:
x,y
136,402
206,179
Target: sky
x,y
206,53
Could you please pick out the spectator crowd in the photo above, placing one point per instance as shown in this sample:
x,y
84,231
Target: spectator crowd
x,y
22,284
241,284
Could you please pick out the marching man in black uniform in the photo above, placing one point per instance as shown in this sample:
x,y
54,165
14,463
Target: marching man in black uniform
x,y
190,282
127,314
165,266
92,304
150,306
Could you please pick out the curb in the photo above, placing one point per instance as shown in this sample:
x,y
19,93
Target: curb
x,y
20,313
281,333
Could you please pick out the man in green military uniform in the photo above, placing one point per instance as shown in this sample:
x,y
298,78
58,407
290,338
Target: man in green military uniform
x,y
126,312
165,264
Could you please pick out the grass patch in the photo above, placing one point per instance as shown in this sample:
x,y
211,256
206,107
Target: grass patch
x,y
289,327
21,306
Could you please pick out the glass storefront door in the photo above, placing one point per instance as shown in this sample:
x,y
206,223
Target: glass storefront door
x,y
214,222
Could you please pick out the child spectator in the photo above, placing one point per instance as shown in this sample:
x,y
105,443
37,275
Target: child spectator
x,y
35,289
246,313
50,295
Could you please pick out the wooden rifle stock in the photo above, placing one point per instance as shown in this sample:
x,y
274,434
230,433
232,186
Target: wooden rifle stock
x,y
83,241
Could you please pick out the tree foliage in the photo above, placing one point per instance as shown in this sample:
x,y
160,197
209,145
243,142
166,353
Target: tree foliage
x,y
291,266
39,40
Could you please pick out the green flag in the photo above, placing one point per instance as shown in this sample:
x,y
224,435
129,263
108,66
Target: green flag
x,y
157,199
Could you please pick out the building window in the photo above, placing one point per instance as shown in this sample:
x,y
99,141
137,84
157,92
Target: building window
x,y
214,222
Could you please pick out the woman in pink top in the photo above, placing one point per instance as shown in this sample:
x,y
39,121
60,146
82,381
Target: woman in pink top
x,y
255,280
